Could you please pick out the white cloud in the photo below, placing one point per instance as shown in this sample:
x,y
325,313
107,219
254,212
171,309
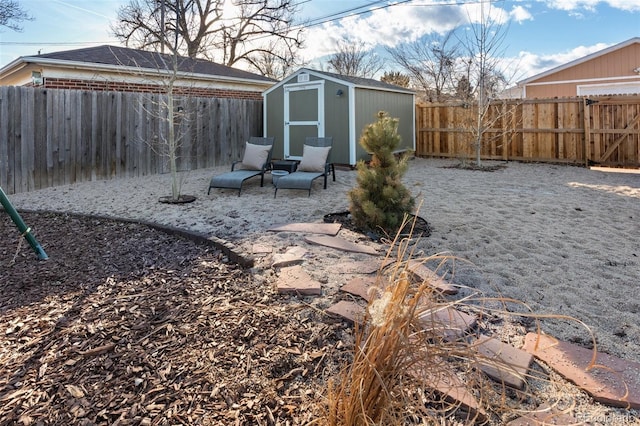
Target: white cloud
x,y
407,22
531,64
520,14
384,27
590,5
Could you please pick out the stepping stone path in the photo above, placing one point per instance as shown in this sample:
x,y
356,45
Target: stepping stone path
x,y
363,267
423,273
310,228
455,392
261,249
360,286
447,322
340,244
501,362
607,383
292,256
351,311
544,415
296,281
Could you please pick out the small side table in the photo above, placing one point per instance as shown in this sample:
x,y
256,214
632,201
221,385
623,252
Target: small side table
x,y
288,165
277,174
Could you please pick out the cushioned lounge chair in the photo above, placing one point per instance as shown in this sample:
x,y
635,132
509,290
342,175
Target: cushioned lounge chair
x,y
315,163
256,161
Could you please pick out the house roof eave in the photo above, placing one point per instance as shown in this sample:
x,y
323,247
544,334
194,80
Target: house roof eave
x,y
137,70
12,67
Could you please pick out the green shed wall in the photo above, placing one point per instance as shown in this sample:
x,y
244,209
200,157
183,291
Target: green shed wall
x,y
336,117
367,104
274,113
398,105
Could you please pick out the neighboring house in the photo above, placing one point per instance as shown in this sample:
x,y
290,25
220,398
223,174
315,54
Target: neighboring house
x,y
318,103
129,70
612,71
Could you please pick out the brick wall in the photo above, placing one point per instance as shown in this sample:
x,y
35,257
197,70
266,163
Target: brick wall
x,y
123,86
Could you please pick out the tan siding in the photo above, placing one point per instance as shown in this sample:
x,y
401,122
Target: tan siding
x,y
611,68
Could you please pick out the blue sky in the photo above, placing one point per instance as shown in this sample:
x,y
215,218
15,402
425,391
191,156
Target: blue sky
x,y
541,34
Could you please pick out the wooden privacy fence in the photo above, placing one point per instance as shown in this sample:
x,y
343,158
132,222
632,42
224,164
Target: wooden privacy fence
x,y
597,130
52,137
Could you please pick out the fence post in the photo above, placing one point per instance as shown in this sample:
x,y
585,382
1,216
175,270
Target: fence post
x,y
587,131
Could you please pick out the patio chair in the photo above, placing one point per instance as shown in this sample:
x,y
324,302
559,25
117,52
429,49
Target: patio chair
x,y
256,161
315,163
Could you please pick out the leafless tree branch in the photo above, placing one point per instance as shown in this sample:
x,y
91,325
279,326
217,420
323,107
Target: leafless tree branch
x,y
12,14
204,30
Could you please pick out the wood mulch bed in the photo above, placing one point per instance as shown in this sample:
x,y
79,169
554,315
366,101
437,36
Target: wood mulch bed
x,y
125,324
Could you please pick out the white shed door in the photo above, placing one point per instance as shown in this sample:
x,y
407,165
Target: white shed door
x,y
303,115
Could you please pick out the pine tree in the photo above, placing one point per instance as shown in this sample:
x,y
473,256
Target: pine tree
x,y
380,201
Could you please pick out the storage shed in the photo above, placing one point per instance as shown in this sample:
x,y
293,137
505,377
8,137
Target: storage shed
x,y
318,103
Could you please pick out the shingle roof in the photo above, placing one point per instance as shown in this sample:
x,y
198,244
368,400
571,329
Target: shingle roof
x,y
122,56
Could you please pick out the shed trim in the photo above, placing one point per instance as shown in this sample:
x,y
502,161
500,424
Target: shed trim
x,y
352,126
345,80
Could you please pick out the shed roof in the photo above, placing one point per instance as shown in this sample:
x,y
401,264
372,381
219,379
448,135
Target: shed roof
x,y
107,56
358,82
580,60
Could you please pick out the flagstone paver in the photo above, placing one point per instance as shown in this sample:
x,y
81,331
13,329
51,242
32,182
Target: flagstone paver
x,y
293,256
448,321
545,415
455,391
340,244
359,286
503,362
311,228
608,383
294,279
348,310
356,267
261,249
425,274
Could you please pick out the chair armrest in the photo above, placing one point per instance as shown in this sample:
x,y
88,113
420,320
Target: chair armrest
x,y
233,165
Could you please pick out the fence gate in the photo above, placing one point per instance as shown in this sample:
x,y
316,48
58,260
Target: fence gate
x,y
612,131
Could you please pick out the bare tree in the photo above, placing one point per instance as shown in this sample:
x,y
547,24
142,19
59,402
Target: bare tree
x,y
247,35
397,78
12,14
277,63
484,44
354,60
431,63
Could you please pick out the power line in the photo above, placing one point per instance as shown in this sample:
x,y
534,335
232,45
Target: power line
x,y
343,14
338,14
